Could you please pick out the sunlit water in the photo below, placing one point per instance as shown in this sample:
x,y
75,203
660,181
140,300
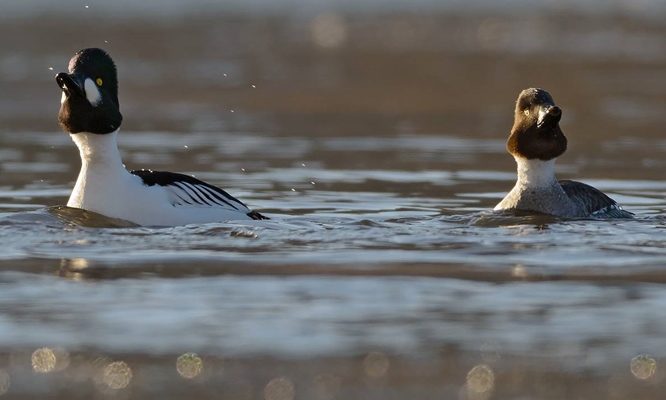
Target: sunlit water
x,y
352,258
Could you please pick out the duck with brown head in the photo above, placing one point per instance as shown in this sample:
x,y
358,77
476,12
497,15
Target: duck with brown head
x,y
536,140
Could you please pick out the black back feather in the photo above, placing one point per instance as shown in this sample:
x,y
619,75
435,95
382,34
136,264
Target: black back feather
x,y
165,178
594,201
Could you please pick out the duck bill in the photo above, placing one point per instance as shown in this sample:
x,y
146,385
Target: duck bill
x,y
548,115
71,84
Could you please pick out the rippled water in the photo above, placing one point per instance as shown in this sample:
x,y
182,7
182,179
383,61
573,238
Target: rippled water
x,y
353,259
382,272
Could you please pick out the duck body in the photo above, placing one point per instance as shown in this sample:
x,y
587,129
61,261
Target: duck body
x,y
560,198
535,142
145,197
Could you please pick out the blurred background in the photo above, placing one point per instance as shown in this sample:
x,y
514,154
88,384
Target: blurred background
x,y
372,132
455,66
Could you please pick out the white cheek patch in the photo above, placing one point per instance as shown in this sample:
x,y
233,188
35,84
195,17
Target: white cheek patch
x,y
92,93
542,114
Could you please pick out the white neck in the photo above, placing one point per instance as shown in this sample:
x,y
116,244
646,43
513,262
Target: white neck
x,y
535,173
101,170
95,148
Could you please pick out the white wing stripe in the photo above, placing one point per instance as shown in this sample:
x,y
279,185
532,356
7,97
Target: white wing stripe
x,y
208,192
185,187
197,194
178,203
201,193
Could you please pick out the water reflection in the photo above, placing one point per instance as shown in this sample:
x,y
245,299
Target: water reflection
x,y
519,271
86,218
74,264
73,268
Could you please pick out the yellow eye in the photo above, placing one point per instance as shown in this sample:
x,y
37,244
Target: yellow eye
x,y
526,112
99,81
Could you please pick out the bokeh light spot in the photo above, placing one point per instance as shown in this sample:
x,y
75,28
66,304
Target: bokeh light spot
x,y
43,360
117,375
328,30
376,364
5,382
493,34
643,366
480,379
189,365
279,389
326,386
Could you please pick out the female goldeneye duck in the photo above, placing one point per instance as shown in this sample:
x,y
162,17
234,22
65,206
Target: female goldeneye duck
x,y
90,113
535,142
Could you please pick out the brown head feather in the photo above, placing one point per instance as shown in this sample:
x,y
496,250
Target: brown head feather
x,y
531,139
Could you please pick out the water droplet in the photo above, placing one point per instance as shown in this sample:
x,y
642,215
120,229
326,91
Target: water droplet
x,y
106,41
186,147
254,86
243,169
312,182
302,164
232,110
225,75
87,6
50,68
293,190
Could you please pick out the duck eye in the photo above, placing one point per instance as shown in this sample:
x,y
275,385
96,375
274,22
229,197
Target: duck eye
x,y
99,81
527,111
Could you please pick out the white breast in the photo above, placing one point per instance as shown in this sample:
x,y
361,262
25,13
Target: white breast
x,y
106,187
538,190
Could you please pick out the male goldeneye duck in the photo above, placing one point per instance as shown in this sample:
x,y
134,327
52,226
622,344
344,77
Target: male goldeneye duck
x,y
90,113
535,142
